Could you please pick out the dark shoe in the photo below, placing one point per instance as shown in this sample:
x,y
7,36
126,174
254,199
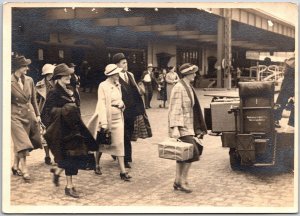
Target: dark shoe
x,y
17,172
277,125
114,157
26,178
125,176
48,160
71,192
98,170
182,188
127,165
55,177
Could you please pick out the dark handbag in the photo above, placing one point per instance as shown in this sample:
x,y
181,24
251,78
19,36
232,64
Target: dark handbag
x,y
103,137
198,147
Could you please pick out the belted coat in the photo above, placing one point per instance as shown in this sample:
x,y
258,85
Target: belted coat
x,y
25,130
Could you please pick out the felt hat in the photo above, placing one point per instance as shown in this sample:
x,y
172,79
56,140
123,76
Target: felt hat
x,y
62,70
150,65
118,57
112,69
48,69
20,61
188,68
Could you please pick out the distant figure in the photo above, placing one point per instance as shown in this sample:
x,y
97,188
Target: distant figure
x,y
74,83
162,88
287,92
42,89
148,79
172,78
85,76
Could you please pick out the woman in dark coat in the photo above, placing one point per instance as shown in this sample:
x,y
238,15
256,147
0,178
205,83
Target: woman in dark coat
x,y
25,116
68,138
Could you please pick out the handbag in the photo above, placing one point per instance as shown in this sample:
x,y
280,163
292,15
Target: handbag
x,y
197,146
103,137
142,88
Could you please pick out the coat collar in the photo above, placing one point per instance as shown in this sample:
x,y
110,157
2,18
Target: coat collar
x,y
14,83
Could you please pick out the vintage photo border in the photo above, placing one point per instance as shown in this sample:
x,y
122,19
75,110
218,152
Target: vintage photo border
x,y
6,140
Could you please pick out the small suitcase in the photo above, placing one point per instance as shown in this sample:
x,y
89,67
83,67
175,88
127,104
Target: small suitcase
x,y
175,150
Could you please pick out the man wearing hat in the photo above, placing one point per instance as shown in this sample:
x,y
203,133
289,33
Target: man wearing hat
x,y
25,116
148,79
287,91
42,89
133,103
186,122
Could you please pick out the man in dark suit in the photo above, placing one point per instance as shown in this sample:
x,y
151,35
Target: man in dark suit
x,y
149,81
133,103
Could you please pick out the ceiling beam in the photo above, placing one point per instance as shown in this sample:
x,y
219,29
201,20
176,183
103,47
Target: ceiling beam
x,y
128,21
154,28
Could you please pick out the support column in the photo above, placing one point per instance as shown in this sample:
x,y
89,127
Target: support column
x,y
220,49
228,54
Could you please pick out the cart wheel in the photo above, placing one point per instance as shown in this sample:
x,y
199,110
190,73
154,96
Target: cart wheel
x,y
235,159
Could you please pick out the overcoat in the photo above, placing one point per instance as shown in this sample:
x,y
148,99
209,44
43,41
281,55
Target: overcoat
x,y
103,111
66,133
25,130
185,113
41,90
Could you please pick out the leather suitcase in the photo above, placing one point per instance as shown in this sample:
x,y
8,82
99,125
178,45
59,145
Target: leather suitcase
x,y
221,120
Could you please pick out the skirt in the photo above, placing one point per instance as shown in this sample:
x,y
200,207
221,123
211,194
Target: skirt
x,y
197,149
117,138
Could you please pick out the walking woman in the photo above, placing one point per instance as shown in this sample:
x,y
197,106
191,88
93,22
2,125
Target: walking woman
x,y
25,116
68,138
186,122
171,79
109,116
42,89
162,88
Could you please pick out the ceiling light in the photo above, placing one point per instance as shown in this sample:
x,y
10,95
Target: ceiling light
x,y
73,8
65,10
93,9
270,23
156,9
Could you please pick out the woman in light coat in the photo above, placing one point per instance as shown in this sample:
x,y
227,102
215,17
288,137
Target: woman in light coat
x,y
25,116
186,122
42,88
109,116
171,79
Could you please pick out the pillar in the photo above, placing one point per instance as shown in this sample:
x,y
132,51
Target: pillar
x,y
220,50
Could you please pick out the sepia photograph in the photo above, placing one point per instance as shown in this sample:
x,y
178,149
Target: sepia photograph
x,y
150,107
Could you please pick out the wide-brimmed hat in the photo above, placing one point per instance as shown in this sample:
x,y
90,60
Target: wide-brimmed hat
x,y
20,61
62,70
150,65
188,68
48,69
118,57
112,69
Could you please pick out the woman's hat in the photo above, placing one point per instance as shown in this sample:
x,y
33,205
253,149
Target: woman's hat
x,y
118,57
48,69
112,69
62,70
20,61
188,68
